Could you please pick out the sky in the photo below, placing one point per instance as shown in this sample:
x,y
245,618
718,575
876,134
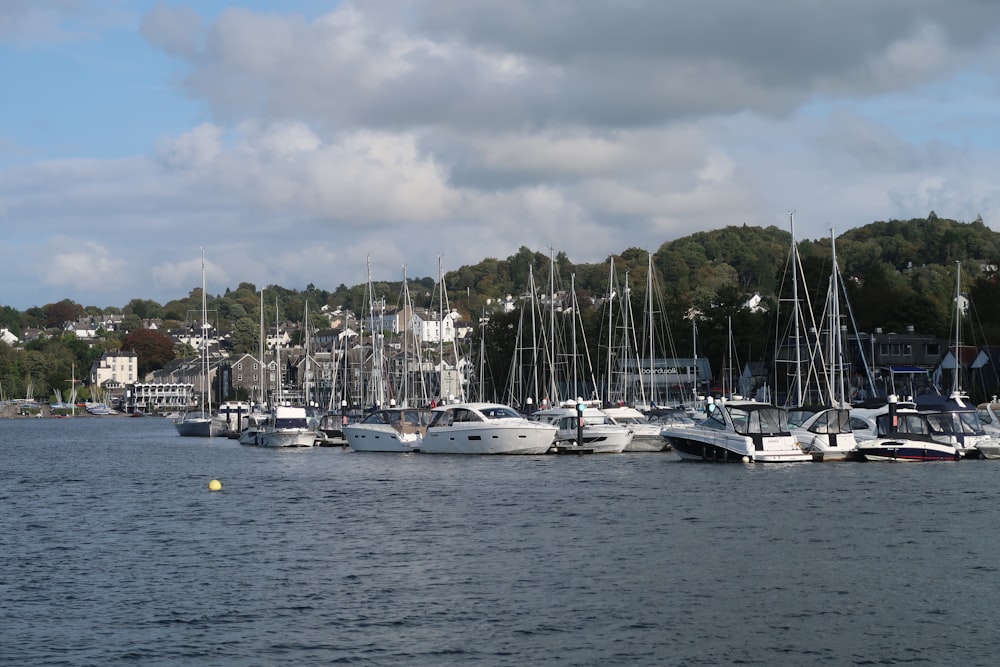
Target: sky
x,y
308,142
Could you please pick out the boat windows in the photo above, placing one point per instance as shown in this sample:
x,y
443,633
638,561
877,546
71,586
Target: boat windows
x,y
832,421
443,418
500,412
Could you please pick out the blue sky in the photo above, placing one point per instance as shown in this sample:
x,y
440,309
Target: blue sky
x,y
297,140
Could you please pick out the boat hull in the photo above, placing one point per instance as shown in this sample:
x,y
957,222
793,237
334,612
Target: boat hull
x,y
907,451
286,438
690,447
365,438
528,439
199,427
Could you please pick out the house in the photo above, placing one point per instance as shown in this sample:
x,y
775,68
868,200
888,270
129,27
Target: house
x,y
117,367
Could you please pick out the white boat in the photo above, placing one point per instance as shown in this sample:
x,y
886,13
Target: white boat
x,y
485,428
827,435
600,433
738,431
645,434
955,422
235,414
288,426
904,434
253,424
389,430
200,424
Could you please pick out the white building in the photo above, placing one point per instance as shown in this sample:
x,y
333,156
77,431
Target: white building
x,y
118,367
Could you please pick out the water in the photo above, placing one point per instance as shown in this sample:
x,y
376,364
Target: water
x,y
115,553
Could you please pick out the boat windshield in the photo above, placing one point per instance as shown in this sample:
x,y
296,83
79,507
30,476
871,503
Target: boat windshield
x,y
500,412
832,421
290,422
964,422
765,421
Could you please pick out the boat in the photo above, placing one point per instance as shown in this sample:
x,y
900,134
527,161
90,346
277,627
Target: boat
x,y
330,429
287,426
737,431
255,423
389,430
645,434
826,434
905,434
235,414
485,428
202,422
600,433
955,422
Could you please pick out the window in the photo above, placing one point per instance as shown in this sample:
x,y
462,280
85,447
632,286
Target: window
x,y
932,349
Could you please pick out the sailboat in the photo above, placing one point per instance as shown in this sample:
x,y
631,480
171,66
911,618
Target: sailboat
x,y
955,417
826,432
287,425
201,422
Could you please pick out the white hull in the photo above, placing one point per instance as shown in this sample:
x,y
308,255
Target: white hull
x,y
497,438
380,438
287,438
646,438
598,439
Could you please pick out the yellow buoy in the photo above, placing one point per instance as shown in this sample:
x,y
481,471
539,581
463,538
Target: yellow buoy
x,y
215,485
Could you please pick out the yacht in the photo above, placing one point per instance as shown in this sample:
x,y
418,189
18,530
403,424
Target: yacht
x,y
956,422
645,434
288,426
389,430
200,424
485,428
905,434
600,433
738,431
826,434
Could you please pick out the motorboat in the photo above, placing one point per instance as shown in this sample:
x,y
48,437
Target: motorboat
x,y
600,433
958,423
485,428
737,431
235,415
826,434
200,424
330,429
905,434
645,434
255,423
389,430
287,426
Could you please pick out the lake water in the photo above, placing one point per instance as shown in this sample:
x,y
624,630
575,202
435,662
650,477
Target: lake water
x,y
116,553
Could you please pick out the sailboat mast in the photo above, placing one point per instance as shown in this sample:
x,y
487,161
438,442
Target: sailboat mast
x,y
611,296
204,337
956,385
260,352
795,305
649,314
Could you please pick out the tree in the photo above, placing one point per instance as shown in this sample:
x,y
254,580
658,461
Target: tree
x,y
152,349
246,336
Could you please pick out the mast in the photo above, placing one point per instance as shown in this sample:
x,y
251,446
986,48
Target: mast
x,y
552,328
204,337
260,351
837,342
611,296
649,314
795,306
279,396
305,324
956,386
441,330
